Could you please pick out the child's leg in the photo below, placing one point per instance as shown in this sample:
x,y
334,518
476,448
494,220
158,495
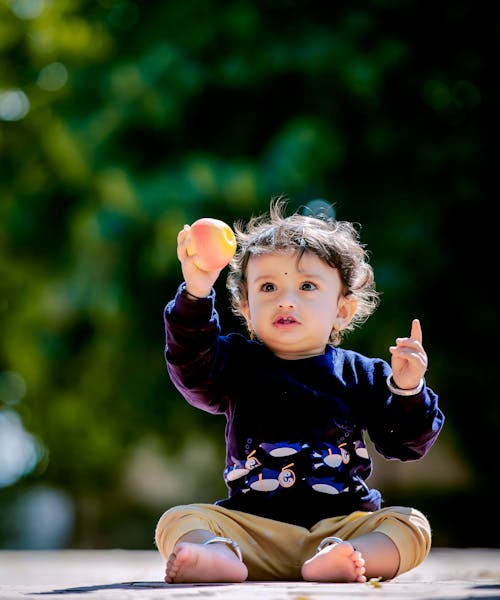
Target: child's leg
x,y
383,543
271,550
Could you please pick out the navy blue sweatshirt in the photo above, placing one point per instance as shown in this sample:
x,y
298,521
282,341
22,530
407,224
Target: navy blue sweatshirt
x,y
295,429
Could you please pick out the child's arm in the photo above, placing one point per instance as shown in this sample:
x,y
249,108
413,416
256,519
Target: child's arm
x,y
192,330
409,359
198,283
411,421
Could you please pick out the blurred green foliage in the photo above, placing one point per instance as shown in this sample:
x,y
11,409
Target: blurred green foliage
x,y
120,121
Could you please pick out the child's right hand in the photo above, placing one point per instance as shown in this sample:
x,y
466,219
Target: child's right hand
x,y
198,282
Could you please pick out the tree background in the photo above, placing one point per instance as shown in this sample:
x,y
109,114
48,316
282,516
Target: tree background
x,y
119,122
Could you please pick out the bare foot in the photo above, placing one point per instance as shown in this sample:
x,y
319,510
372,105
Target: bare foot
x,y
338,563
191,563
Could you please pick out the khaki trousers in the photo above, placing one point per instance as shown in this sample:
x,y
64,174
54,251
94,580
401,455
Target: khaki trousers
x,y
273,550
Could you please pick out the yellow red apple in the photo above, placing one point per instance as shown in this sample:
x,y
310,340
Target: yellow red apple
x,y
213,242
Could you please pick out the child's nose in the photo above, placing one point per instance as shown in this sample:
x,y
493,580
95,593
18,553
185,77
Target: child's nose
x,y
286,300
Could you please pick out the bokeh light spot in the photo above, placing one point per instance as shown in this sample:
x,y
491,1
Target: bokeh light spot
x,y
14,105
27,9
320,209
437,94
20,451
53,77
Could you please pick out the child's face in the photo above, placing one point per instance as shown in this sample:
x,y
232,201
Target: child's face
x,y
292,308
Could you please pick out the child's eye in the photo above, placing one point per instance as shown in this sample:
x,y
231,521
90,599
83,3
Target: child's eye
x,y
308,285
268,287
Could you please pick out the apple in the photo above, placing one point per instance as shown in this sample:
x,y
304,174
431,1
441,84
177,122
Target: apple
x,y
213,242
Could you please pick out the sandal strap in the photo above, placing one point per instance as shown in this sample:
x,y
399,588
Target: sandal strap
x,y
328,541
229,542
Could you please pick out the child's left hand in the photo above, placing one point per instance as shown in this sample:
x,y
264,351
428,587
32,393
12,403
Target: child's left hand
x,y
409,359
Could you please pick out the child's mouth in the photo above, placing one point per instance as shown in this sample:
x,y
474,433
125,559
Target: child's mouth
x,y
285,321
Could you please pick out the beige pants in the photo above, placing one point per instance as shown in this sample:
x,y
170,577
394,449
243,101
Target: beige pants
x,y
273,550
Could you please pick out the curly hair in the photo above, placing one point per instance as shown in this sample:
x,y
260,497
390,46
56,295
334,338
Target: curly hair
x,y
335,242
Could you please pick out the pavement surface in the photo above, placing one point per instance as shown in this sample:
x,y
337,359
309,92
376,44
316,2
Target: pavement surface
x,y
448,573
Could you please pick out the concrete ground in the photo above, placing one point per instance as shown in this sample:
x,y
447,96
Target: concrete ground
x,y
455,574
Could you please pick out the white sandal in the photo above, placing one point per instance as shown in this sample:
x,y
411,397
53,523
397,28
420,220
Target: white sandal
x,y
229,542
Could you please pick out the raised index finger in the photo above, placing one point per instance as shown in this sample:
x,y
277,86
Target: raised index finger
x,y
416,330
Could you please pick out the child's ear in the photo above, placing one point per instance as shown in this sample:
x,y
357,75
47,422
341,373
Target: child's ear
x,y
346,309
